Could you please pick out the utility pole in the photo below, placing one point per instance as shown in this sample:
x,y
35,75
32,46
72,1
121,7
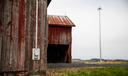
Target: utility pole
x,y
99,9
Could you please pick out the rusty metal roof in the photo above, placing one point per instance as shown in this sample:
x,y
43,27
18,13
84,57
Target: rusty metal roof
x,y
55,20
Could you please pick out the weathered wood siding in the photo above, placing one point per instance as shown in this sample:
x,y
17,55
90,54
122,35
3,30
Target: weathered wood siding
x,y
17,35
59,35
42,36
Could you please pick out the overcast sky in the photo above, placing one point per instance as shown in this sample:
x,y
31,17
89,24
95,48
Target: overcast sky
x,y
84,14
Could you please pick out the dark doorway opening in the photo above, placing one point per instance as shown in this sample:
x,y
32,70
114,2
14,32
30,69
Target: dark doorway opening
x,y
56,53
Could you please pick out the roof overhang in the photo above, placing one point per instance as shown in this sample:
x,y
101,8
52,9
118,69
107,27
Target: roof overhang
x,y
48,2
61,21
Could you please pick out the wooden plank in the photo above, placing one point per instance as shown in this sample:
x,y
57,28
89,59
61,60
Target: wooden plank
x,y
1,25
43,35
1,31
29,33
6,31
14,36
21,36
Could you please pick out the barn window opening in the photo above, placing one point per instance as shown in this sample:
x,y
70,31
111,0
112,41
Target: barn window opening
x,y
56,53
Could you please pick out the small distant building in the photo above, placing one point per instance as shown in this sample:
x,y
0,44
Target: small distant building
x,y
59,39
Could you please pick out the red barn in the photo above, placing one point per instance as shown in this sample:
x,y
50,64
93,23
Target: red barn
x,y
59,39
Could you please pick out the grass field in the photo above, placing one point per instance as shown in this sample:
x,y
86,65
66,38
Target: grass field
x,y
113,71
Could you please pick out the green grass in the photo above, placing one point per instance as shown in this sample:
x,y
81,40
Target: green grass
x,y
115,71
101,72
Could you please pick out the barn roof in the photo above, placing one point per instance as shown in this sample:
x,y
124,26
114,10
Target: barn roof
x,y
55,20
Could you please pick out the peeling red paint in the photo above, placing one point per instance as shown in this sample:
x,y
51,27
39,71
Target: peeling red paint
x,y
21,40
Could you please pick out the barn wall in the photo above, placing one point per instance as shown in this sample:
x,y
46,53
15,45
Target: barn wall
x,y
17,35
10,21
42,36
59,35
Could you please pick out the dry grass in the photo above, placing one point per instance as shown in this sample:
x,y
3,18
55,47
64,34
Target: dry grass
x,y
107,62
117,71
61,72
